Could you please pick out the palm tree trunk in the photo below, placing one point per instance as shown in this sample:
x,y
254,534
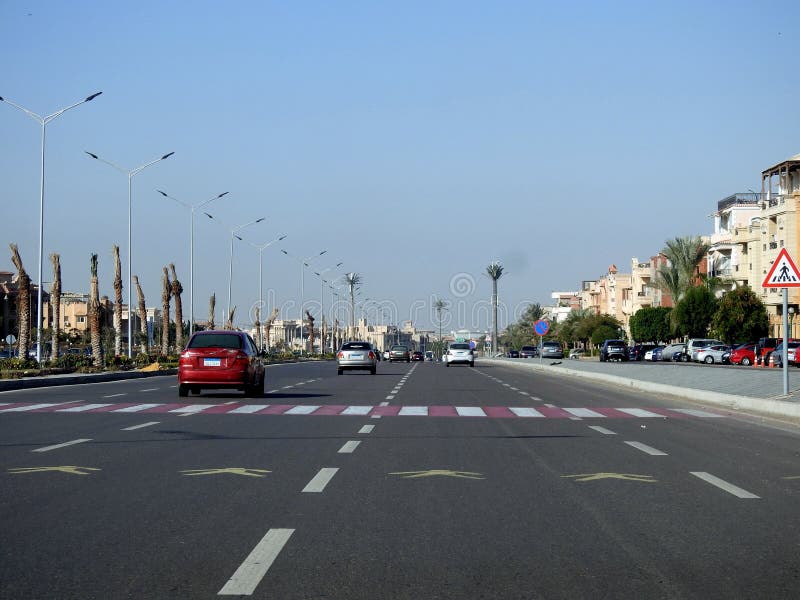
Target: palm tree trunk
x,y
177,290
166,292
211,306
94,313
310,331
55,303
142,315
118,303
229,322
268,325
23,304
494,317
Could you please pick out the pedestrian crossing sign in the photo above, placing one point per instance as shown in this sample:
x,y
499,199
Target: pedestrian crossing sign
x,y
783,274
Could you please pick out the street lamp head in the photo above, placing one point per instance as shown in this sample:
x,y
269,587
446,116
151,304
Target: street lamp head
x,y
323,252
92,155
285,252
92,97
283,237
166,156
163,193
340,264
222,194
237,237
261,219
208,215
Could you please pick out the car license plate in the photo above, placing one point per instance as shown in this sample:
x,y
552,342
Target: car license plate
x,y
212,362
356,356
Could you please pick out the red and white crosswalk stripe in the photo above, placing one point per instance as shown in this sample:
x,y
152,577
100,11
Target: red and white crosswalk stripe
x,y
493,412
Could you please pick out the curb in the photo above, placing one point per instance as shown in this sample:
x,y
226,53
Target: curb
x,y
38,382
768,406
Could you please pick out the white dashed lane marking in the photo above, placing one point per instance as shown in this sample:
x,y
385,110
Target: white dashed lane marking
x,y
250,573
142,426
602,430
320,480
646,449
64,445
723,485
349,447
366,429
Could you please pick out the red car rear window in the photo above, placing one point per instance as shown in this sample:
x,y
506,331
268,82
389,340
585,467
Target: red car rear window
x,y
216,340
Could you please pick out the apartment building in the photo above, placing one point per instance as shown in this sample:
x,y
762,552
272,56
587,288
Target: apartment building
x,y
611,294
645,291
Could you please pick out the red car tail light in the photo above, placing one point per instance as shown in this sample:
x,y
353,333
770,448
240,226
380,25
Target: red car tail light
x,y
340,355
371,355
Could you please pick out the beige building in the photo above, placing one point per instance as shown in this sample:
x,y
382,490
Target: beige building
x,y
611,294
645,291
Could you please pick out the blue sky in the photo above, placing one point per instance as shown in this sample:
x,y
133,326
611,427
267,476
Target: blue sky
x,y
416,142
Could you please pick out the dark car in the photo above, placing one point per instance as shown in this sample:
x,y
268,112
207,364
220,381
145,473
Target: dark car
x,y
417,356
528,352
399,352
221,359
614,350
512,354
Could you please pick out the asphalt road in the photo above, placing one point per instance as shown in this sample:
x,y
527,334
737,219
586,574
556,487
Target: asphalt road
x,y
419,482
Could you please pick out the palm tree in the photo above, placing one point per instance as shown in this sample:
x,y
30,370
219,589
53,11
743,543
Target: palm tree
x,y
142,310
177,290
495,272
440,306
310,330
685,255
55,302
23,303
118,303
229,322
353,280
268,325
166,292
212,303
94,313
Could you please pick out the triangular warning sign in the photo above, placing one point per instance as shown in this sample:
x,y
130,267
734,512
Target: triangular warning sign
x,y
783,274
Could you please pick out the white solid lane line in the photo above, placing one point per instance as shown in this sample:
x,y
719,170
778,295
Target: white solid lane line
x,y
695,413
647,449
366,429
320,480
115,395
349,447
602,430
723,485
57,446
142,426
250,573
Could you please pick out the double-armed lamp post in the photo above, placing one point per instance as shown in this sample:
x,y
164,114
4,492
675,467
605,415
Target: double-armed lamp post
x,y
43,121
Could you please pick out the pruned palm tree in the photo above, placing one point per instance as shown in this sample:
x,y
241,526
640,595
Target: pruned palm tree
x,y
118,303
268,325
142,310
353,280
310,330
94,313
55,302
23,304
440,306
495,272
212,304
177,290
166,292
229,322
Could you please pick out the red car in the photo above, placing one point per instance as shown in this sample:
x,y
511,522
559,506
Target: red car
x,y
744,355
221,359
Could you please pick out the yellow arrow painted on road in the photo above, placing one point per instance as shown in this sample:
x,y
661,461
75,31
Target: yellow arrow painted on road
x,y
229,471
71,469
625,476
438,473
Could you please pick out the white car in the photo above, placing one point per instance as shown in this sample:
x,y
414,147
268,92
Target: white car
x,y
459,353
712,354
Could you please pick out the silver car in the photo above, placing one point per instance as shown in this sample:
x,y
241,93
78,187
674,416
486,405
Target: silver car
x,y
356,356
712,354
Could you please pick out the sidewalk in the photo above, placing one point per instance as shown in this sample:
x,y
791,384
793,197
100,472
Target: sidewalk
x,y
735,387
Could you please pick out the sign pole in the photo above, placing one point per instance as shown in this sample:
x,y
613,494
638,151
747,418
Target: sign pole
x,y
785,361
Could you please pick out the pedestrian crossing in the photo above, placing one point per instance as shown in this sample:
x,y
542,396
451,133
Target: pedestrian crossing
x,y
493,412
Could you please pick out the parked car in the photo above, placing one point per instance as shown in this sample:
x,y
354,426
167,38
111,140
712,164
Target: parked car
x,y
417,356
512,354
221,359
777,354
576,353
399,352
356,356
673,352
614,350
459,353
552,350
693,345
428,355
654,354
744,354
528,352
639,350
713,354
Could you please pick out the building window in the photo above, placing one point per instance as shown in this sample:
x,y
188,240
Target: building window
x,y
81,319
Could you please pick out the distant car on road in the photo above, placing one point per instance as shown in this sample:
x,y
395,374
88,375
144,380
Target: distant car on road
x,y
356,356
221,359
459,353
528,352
417,356
399,352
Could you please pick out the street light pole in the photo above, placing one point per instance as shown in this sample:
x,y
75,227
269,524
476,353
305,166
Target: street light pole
x,y
304,262
192,208
322,283
43,121
130,174
260,284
